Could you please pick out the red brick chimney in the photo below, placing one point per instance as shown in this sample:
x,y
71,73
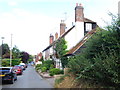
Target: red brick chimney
x,y
79,15
62,27
56,36
51,39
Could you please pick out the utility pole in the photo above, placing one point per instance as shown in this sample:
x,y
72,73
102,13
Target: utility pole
x,y
11,52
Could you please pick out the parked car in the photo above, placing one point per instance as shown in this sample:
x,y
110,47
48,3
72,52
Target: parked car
x,y
8,74
18,69
24,65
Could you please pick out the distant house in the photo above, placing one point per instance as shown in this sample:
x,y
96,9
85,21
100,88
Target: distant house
x,y
38,58
75,36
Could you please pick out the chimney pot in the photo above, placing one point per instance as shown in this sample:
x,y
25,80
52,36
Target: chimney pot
x,y
80,4
76,4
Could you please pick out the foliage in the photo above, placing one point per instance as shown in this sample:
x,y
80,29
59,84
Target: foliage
x,y
6,62
60,49
100,60
55,71
43,69
38,66
30,58
16,52
47,64
57,81
24,57
5,50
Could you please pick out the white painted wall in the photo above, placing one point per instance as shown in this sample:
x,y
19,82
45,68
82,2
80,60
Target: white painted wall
x,y
51,50
74,36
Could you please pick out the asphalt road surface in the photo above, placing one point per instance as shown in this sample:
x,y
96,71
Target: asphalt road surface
x,y
29,79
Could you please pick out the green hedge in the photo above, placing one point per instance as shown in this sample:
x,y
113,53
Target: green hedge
x,y
6,62
55,71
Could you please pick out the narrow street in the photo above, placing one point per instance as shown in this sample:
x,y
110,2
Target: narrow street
x,y
29,79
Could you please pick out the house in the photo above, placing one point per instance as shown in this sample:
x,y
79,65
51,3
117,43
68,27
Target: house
x,y
75,36
38,58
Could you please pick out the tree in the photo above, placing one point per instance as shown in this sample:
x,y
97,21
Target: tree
x,y
60,49
16,52
5,50
24,57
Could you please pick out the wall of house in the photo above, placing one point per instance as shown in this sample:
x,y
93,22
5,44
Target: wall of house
x,y
75,35
47,54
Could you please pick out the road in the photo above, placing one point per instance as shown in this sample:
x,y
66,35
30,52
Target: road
x,y
29,79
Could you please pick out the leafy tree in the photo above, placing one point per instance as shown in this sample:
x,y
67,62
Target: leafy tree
x,y
60,49
16,52
24,57
30,58
5,50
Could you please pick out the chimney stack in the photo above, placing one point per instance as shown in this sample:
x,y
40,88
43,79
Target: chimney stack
x,y
56,36
62,27
79,15
51,39
119,9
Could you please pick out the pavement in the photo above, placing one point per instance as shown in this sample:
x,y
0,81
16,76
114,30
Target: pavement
x,y
47,77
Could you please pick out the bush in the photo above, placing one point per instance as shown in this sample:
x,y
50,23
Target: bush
x,y
38,66
43,69
47,64
55,71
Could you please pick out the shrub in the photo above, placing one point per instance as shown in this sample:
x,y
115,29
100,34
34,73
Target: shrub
x,y
47,64
43,69
38,66
55,71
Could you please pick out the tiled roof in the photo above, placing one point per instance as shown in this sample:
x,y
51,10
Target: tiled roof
x,y
81,43
88,20
64,34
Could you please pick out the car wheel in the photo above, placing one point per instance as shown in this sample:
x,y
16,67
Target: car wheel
x,y
16,78
12,81
21,73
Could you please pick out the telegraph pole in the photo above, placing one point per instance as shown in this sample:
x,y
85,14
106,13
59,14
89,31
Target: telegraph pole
x,y
11,52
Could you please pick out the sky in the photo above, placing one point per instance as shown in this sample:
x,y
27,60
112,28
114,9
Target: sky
x,y
32,21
